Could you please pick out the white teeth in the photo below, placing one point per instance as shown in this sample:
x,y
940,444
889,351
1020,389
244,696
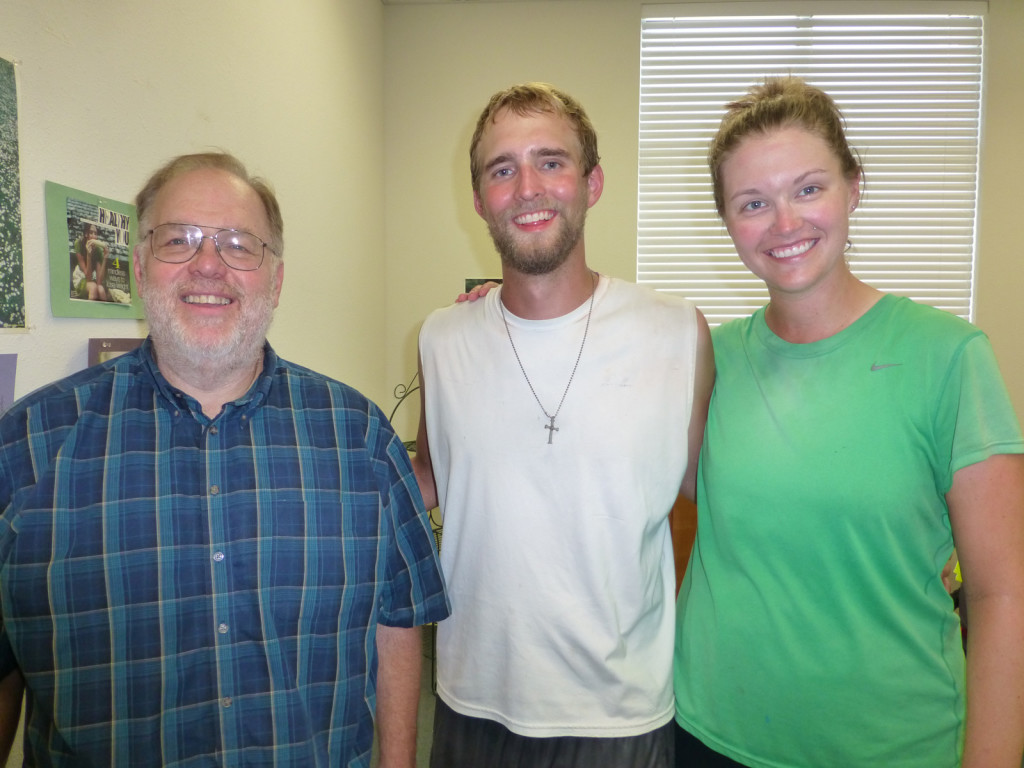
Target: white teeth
x,y
533,218
793,250
206,299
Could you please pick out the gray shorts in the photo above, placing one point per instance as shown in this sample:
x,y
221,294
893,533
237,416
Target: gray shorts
x,y
473,742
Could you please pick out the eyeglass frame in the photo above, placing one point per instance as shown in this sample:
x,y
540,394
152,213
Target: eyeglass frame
x,y
216,243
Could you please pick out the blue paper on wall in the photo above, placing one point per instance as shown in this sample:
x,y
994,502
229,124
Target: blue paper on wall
x,y
8,364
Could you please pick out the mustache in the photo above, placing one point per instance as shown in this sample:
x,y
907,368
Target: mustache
x,y
209,285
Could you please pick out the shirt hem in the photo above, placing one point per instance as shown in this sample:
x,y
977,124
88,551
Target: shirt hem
x,y
615,730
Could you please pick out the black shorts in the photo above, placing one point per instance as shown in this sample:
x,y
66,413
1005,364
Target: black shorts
x,y
691,752
474,742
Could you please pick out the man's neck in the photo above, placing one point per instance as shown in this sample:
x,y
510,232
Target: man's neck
x,y
214,383
542,297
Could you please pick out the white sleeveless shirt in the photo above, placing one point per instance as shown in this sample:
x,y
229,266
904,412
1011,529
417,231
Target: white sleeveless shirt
x,y
558,556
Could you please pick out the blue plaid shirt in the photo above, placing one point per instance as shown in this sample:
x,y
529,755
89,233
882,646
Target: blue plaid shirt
x,y
186,591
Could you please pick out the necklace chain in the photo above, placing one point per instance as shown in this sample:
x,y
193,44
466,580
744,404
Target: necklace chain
x,y
550,426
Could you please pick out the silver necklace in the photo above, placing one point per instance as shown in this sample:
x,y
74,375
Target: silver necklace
x,y
550,426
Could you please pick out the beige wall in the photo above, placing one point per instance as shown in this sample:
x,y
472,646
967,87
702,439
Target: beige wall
x,y
444,61
1000,267
105,96
109,90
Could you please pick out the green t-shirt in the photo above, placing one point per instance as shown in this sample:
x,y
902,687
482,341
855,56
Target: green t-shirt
x,y
813,626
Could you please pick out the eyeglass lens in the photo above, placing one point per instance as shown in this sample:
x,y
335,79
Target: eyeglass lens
x,y
178,243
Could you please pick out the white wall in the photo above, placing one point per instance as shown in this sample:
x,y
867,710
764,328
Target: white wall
x,y
109,90
444,61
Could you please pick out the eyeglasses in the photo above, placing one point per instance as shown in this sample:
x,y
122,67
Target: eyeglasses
x,y
178,243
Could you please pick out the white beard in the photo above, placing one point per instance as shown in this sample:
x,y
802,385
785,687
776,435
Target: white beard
x,y
191,345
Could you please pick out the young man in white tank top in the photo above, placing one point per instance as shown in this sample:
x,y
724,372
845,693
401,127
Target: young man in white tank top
x,y
563,414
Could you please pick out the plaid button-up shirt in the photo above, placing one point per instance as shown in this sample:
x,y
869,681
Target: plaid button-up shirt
x,y
182,591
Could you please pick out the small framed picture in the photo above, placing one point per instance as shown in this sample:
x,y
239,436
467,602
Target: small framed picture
x,y
473,282
101,350
90,242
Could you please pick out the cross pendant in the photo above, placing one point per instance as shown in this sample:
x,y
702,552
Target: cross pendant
x,y
551,428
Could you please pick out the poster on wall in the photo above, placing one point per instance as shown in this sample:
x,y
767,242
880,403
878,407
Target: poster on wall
x,y
12,277
90,240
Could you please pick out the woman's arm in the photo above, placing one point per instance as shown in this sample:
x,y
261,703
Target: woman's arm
x,y
986,510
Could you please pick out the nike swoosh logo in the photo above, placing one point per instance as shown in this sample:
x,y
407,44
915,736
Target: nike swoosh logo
x,y
878,367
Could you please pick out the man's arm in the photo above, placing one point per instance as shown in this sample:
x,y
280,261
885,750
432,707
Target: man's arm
x,y
703,383
11,689
986,509
682,521
421,459
398,694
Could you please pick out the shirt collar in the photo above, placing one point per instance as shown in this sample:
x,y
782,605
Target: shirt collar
x,y
176,400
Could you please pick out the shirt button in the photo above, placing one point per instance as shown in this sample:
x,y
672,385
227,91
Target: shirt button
x,y
218,557
222,628
213,430
214,489
225,702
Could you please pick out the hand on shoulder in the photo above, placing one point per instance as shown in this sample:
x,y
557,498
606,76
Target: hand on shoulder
x,y
478,292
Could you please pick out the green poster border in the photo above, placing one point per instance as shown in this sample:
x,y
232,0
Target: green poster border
x,y
61,303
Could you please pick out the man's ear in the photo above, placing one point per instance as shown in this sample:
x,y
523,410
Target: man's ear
x,y
595,184
137,256
278,281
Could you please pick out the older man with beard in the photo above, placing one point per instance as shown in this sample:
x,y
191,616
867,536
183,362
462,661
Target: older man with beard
x,y
563,414
209,555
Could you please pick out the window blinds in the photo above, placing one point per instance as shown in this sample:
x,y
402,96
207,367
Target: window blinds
x,y
910,88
